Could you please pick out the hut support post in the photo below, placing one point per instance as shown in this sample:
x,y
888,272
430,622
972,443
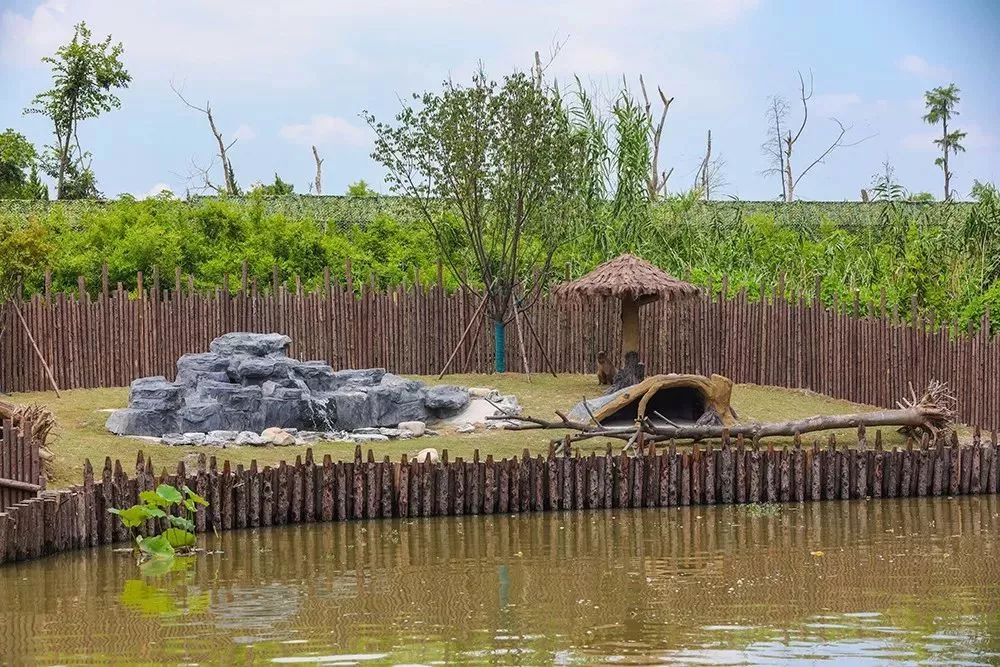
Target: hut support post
x,y
630,326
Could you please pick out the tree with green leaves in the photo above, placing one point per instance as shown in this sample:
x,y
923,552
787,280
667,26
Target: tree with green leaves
x,y
278,188
19,168
85,76
503,158
941,103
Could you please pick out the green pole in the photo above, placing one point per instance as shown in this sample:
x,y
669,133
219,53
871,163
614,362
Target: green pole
x,y
500,346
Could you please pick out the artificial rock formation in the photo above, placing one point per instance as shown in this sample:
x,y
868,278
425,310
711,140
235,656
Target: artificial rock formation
x,y
246,382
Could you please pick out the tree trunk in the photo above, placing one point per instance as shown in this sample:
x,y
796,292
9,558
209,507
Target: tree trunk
x,y
947,176
630,326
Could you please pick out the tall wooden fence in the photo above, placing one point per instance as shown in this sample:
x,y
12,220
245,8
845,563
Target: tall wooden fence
x,y
111,338
21,474
307,491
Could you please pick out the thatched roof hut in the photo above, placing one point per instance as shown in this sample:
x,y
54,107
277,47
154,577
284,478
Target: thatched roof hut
x,y
636,282
631,278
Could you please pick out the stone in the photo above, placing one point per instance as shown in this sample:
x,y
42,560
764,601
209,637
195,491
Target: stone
x,y
247,383
414,428
251,344
175,439
250,438
220,437
316,375
428,455
195,438
155,393
465,428
351,378
483,392
132,421
446,400
277,436
368,437
203,417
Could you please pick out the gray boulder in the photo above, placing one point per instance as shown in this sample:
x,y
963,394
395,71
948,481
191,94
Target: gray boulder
x,y
201,417
251,344
192,368
155,393
134,421
316,375
351,378
446,400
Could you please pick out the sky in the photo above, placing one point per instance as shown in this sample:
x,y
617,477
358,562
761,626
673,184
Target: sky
x,y
282,76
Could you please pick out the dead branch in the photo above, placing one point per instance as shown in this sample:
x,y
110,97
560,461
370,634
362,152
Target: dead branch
x,y
932,413
657,181
318,182
228,175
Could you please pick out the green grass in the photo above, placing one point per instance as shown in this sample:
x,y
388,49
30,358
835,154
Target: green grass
x,y
80,432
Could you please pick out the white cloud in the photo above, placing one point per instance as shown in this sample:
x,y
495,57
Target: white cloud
x,y
156,190
913,64
303,42
244,133
831,104
325,129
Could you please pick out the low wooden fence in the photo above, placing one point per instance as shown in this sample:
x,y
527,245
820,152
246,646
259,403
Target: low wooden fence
x,y
21,474
109,339
308,491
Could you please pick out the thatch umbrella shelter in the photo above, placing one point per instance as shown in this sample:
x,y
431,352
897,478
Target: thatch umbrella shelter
x,y
636,282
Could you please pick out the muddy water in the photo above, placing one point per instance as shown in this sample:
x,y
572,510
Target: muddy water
x,y
911,581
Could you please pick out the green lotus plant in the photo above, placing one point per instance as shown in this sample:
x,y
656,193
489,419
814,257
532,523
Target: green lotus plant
x,y
157,506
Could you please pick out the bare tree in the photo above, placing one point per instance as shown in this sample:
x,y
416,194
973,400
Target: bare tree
x,y
229,186
777,114
787,141
318,182
657,181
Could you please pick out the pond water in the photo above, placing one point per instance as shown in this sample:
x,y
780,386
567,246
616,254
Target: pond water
x,y
907,581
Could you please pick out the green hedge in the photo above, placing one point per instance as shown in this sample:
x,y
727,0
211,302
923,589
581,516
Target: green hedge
x,y
947,256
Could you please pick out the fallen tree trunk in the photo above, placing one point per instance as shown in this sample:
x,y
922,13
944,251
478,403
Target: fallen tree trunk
x,y
930,414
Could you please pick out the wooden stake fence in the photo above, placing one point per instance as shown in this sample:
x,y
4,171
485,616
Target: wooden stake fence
x,y
110,339
306,491
20,464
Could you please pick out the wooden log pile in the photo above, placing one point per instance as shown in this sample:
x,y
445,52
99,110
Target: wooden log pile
x,y
738,470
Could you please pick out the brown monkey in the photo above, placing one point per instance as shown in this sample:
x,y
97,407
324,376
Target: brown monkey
x,y
605,369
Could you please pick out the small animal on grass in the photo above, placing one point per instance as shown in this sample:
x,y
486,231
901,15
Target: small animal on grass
x,y
605,369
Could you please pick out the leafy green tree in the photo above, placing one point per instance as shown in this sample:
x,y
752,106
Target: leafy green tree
x,y
85,75
505,158
19,168
278,188
360,189
941,105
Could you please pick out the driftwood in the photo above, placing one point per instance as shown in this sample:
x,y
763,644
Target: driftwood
x,y
41,421
931,414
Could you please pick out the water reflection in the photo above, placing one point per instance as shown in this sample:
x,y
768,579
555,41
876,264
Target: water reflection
x,y
907,580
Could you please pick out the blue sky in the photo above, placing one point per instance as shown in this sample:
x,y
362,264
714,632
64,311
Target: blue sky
x,y
284,75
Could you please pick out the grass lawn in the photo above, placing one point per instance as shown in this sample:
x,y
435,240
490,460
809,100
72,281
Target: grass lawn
x,y
80,432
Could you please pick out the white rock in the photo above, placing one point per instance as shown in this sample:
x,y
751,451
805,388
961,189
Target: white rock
x,y
368,437
250,438
415,429
481,392
175,439
428,455
225,436
269,433
465,428
390,432
195,438
283,439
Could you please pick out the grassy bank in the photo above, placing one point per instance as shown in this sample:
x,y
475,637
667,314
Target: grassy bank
x,y
80,433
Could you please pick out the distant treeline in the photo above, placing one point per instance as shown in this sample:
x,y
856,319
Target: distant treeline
x,y
945,255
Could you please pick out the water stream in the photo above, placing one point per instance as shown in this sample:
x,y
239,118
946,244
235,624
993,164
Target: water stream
x,y
892,581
